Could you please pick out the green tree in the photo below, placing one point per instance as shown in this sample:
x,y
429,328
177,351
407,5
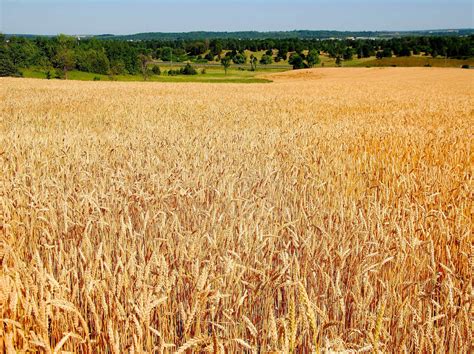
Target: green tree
x,y
166,54
282,55
239,58
117,67
156,70
65,41
144,60
404,51
253,62
22,52
313,58
188,70
100,63
225,62
215,47
65,61
7,67
297,61
348,53
266,59
387,52
65,58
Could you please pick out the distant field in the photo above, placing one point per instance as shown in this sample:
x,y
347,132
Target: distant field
x,y
215,72
328,211
212,75
414,61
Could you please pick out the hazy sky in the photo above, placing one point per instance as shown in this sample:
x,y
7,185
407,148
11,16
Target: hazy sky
x,y
127,16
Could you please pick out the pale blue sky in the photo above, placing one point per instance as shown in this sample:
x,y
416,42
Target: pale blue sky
x,y
127,16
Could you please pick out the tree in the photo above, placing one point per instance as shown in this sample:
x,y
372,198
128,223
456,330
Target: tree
x,y
404,51
101,64
196,48
166,54
22,52
348,53
239,58
225,62
117,67
156,70
65,41
64,60
7,68
266,59
209,57
313,58
338,60
387,52
188,70
297,61
282,55
92,60
215,47
253,62
144,60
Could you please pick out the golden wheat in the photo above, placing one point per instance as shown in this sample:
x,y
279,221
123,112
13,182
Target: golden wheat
x,y
330,210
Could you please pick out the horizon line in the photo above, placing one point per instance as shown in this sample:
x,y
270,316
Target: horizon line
x,y
243,31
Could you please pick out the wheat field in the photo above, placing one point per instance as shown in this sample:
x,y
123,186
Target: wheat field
x,y
328,211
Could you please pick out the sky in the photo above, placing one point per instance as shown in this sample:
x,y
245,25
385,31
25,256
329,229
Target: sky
x,y
128,16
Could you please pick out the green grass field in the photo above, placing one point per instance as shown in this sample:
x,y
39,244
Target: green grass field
x,y
213,75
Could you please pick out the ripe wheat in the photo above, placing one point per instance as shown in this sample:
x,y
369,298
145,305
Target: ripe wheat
x,y
330,210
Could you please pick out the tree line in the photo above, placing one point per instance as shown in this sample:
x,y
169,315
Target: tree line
x,y
302,34
63,53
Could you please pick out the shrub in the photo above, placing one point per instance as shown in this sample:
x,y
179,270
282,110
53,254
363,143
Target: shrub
x,y
239,59
266,59
156,70
188,70
59,74
209,57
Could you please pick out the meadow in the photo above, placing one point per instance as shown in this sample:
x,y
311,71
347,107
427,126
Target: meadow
x,y
327,211
214,72
211,75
